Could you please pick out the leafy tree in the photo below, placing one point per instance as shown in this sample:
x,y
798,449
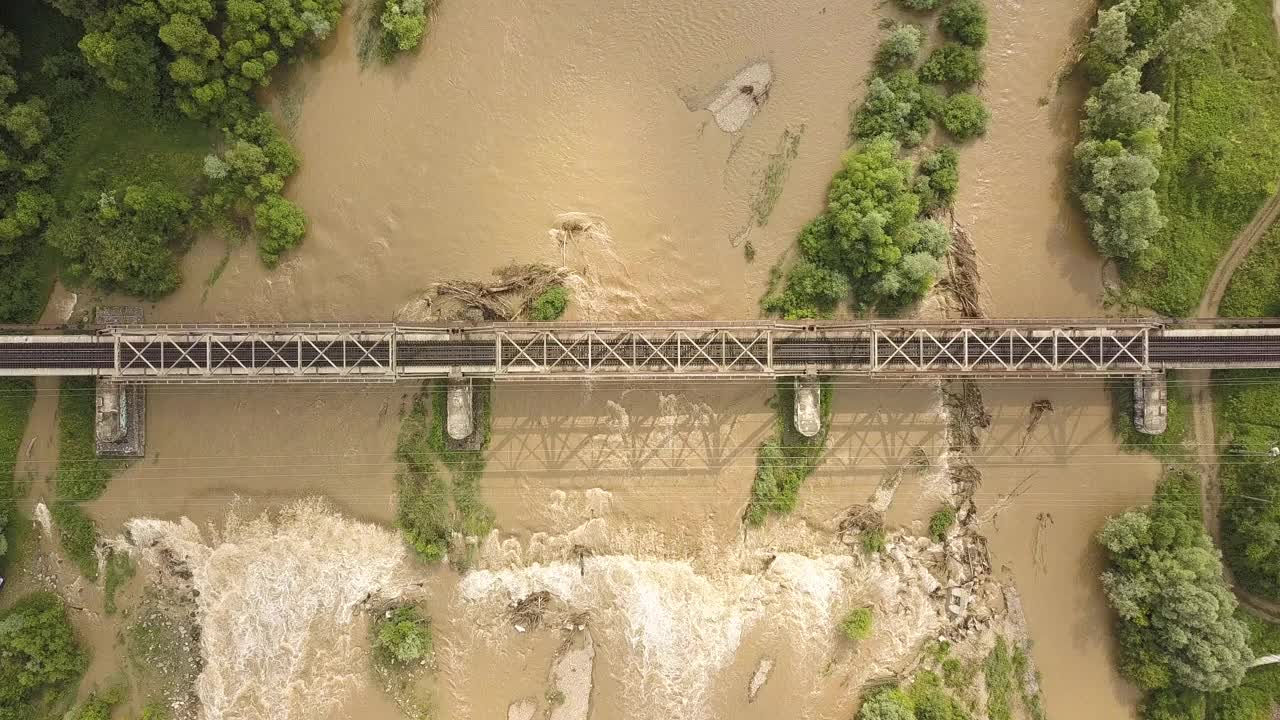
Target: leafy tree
x,y
24,161
1115,165
1176,622
39,654
1109,41
125,239
402,636
965,21
952,64
280,225
812,291
938,178
899,48
403,24
896,107
965,117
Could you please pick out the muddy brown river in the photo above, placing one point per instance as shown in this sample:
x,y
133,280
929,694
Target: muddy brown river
x,y
467,156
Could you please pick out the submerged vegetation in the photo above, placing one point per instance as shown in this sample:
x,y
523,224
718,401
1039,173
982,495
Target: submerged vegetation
x,y
1178,149
439,485
785,461
876,241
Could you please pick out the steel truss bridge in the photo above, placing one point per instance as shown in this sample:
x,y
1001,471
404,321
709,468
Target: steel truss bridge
x,y
390,352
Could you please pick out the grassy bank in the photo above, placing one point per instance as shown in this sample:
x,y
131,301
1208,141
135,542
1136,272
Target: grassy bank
x,y
16,396
1255,288
439,484
81,474
1220,160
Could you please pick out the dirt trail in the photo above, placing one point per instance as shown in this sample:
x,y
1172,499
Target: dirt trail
x,y
1239,250
1203,429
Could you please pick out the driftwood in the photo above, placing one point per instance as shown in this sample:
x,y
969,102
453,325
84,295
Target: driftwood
x,y
509,297
963,283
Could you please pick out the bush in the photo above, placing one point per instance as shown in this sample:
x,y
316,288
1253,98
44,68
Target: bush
x,y
1176,616
402,636
899,48
1115,165
788,458
896,107
952,64
281,226
39,655
920,5
887,703
938,179
403,24
940,522
78,536
550,305
965,21
811,291
857,624
99,705
965,117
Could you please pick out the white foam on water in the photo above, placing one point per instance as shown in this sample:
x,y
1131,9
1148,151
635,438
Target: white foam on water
x,y
276,602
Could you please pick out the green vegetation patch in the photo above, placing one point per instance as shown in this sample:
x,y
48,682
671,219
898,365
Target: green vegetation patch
x,y
550,305
402,637
785,461
439,486
1158,557
81,474
1220,158
99,705
857,625
1171,447
120,569
16,396
925,698
1248,418
940,522
1255,287
997,669
40,658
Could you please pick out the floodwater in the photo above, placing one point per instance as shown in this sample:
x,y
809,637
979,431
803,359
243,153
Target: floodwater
x,y
464,157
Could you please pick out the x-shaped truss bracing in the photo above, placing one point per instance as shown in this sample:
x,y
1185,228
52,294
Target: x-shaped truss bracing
x,y
1009,349
256,355
673,351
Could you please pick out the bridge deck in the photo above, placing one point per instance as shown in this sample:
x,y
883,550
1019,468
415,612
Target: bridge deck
x,y
367,353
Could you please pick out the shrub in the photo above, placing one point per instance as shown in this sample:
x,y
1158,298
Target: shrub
x,y
873,540
787,459
940,522
952,64
403,24
39,655
811,291
98,706
402,636
965,21
920,5
899,48
78,536
965,117
938,178
550,305
857,624
1176,616
896,107
887,703
280,225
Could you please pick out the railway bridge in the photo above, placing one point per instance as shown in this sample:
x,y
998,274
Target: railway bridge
x,y
126,356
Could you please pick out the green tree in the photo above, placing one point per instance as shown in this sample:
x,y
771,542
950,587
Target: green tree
x,y
550,305
896,107
938,178
920,5
1252,528
899,48
281,226
857,624
952,64
1176,622
39,654
965,21
403,24
965,117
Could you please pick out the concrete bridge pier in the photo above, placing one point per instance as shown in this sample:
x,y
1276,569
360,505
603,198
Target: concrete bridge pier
x,y
1151,404
119,419
459,419
808,410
